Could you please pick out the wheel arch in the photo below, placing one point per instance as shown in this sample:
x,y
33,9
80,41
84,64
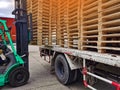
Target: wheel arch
x,y
72,65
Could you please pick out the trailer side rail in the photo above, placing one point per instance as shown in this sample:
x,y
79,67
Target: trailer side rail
x,y
108,59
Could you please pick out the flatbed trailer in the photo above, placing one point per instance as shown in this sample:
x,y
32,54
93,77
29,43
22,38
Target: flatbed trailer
x,y
88,35
67,62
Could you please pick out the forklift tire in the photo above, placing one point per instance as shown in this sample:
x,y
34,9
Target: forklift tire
x,y
62,70
18,76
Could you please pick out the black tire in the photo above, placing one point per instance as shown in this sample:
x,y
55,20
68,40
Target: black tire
x,y
62,70
79,75
75,75
18,77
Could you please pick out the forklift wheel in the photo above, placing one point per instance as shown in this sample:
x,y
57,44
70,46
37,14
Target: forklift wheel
x,y
18,76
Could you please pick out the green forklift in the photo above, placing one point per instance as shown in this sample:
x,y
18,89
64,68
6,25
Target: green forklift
x,y
14,69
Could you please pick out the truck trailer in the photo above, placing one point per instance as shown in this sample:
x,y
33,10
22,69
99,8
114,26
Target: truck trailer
x,y
79,38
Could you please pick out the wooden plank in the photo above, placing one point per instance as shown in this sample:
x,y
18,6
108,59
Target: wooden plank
x,y
81,28
74,20
99,44
39,30
113,15
110,3
95,3
93,9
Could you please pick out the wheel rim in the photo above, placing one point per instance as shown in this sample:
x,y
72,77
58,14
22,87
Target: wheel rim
x,y
19,77
60,70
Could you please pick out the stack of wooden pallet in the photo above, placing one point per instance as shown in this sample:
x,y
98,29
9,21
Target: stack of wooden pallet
x,y
110,30
74,23
45,22
100,22
29,6
49,22
62,22
44,18
39,23
92,25
53,21
35,9
69,22
34,19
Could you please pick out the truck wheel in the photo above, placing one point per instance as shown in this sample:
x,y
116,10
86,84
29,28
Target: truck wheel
x,y
79,75
62,70
75,75
18,77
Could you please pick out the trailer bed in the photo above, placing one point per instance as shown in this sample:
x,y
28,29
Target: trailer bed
x,y
108,59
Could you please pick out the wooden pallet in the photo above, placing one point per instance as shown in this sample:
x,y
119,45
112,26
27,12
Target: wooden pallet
x,y
39,23
73,23
100,26
53,22
92,25
29,6
45,21
110,26
34,20
89,25
33,8
63,26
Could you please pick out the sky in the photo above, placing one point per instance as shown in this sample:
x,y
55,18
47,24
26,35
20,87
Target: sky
x,y
6,8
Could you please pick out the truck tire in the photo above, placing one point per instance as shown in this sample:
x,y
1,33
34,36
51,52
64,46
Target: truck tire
x,y
18,76
62,70
79,75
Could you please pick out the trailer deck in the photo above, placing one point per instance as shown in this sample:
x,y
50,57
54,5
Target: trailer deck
x,y
109,59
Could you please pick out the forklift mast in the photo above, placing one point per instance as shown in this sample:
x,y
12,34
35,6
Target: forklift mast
x,y
22,32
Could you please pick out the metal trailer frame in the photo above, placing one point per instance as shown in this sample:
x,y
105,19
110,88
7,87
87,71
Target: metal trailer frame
x,y
108,59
